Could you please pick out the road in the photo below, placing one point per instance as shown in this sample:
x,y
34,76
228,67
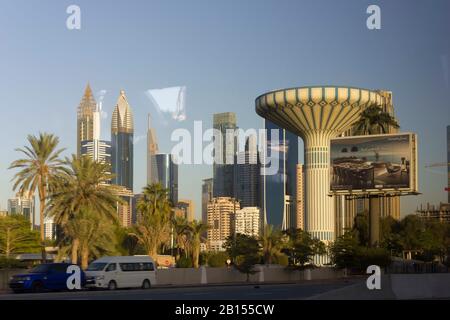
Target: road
x,y
294,291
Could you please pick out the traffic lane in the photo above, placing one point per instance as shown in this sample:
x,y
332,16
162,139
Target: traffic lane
x,y
237,292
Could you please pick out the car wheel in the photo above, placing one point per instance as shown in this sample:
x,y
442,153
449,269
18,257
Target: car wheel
x,y
112,285
146,284
37,287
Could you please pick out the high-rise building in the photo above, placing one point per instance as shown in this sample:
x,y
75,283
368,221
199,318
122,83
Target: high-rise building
x,y
24,205
85,118
167,171
122,131
97,150
247,175
224,154
347,209
300,197
124,209
207,195
187,209
221,212
448,161
279,190
49,228
247,221
152,150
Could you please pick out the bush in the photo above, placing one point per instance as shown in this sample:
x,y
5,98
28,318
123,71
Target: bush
x,y
184,262
281,259
6,263
217,259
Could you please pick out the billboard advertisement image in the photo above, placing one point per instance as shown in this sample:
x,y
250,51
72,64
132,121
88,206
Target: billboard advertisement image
x,y
373,163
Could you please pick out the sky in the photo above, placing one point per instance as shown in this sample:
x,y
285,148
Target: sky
x,y
225,53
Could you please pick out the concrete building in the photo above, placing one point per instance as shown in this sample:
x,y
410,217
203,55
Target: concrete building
x,y
224,154
247,177
3,213
167,171
187,209
278,189
300,197
49,228
122,132
152,150
207,195
248,221
125,210
439,213
221,212
24,205
85,118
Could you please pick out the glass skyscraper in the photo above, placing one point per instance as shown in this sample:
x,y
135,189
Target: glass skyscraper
x,y
279,189
122,131
168,174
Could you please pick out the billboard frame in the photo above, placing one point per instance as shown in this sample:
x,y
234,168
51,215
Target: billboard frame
x,y
361,193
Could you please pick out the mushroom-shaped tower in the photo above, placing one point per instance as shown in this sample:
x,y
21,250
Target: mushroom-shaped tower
x,y
316,114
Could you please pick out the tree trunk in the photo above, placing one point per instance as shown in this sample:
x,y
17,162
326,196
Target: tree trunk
x,y
75,246
41,221
195,255
84,258
8,243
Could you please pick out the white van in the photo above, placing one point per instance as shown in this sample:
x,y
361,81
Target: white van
x,y
121,272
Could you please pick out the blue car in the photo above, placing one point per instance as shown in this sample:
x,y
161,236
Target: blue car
x,y
44,277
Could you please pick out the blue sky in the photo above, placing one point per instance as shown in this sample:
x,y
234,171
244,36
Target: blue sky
x,y
226,53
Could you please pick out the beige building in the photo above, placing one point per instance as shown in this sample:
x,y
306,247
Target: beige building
x,y
85,118
300,197
186,209
346,208
221,212
125,209
439,213
247,221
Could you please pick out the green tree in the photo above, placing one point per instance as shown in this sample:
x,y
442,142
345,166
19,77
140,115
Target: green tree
x,y
196,229
181,232
271,243
153,227
83,187
301,248
37,170
390,237
244,251
374,120
16,236
361,226
217,259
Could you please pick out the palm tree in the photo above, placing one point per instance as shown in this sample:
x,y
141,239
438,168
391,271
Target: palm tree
x,y
95,236
196,229
271,241
153,227
374,120
83,186
37,170
181,228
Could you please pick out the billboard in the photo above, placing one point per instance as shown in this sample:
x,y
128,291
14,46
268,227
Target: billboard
x,y
373,163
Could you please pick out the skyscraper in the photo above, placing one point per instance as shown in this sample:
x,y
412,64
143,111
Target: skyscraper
x,y
122,130
247,175
279,189
224,154
168,174
221,212
448,161
186,207
24,205
85,118
152,150
207,195
247,221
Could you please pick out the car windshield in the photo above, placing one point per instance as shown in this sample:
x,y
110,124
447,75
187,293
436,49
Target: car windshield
x,y
96,266
42,268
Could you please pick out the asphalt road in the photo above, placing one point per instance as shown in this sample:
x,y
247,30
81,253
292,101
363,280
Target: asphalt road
x,y
226,292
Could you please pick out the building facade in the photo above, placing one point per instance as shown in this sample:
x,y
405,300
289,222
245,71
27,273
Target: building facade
x,y
300,198
167,171
439,213
85,118
221,212
248,221
247,177
207,195
24,205
125,209
122,131
187,209
279,190
49,228
152,150
224,154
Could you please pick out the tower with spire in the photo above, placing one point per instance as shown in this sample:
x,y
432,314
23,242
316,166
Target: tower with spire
x,y
152,150
122,131
85,118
